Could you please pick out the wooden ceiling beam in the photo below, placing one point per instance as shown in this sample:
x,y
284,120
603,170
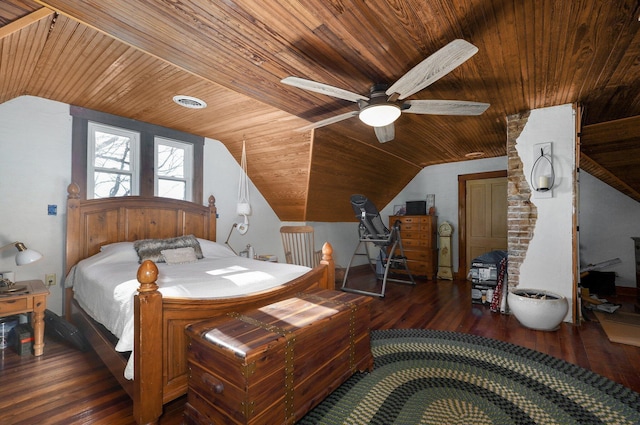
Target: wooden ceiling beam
x,y
611,131
595,169
24,22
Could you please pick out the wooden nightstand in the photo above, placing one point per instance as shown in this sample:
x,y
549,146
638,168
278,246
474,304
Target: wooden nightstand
x,y
32,300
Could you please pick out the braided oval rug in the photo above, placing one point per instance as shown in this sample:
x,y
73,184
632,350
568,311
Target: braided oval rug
x,y
437,377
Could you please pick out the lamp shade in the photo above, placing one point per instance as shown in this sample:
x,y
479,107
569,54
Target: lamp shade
x,y
243,208
25,255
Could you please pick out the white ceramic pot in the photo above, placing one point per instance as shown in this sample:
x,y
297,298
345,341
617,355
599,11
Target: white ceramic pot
x,y
541,313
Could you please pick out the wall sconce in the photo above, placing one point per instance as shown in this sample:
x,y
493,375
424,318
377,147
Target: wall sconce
x,y
243,207
542,173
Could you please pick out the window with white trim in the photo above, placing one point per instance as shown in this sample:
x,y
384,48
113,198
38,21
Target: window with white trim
x,y
173,175
113,161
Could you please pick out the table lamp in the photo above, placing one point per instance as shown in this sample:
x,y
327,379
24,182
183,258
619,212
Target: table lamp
x,y
24,255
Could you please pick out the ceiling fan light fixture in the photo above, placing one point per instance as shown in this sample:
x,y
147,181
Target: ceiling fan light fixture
x,y
379,115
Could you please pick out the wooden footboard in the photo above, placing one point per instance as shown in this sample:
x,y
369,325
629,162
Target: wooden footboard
x,y
160,342
160,358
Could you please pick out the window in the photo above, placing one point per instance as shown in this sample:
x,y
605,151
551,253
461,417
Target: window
x,y
113,161
116,156
173,168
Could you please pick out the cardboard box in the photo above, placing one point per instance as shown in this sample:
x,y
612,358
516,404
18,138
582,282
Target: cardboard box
x,y
482,271
482,293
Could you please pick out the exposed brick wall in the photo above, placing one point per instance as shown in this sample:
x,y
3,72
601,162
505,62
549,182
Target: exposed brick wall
x,y
521,212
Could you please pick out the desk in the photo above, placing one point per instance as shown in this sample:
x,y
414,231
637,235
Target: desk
x,y
32,300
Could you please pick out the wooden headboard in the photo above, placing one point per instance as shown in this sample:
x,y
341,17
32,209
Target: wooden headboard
x,y
92,223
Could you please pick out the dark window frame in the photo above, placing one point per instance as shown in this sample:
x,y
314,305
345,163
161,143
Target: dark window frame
x,y
82,116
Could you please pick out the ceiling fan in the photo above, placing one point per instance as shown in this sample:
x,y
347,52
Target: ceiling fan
x,y
385,104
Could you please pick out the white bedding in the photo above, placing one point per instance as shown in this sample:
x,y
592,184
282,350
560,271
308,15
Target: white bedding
x,y
104,284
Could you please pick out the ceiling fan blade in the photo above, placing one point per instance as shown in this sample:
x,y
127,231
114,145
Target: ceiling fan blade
x,y
444,107
328,121
433,68
321,88
385,134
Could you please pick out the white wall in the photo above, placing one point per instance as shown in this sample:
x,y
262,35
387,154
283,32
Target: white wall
x,y
222,171
343,237
442,180
35,159
221,175
35,162
608,221
548,261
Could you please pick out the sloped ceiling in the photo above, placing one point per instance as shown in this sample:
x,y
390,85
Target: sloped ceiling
x,y
130,58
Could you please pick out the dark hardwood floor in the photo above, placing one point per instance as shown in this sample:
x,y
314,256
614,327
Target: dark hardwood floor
x,y
66,386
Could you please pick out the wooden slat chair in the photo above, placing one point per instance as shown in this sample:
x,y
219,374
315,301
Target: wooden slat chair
x,y
299,246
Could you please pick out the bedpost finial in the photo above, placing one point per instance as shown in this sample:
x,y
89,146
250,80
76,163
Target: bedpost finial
x,y
327,251
73,191
327,259
147,276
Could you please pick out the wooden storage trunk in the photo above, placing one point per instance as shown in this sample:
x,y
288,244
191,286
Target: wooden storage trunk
x,y
274,364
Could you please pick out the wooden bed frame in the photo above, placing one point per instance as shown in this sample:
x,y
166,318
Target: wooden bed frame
x,y
160,373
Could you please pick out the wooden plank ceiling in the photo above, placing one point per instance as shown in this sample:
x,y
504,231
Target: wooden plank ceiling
x,y
130,58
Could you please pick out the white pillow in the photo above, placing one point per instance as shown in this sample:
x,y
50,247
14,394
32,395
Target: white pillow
x,y
179,255
211,249
119,251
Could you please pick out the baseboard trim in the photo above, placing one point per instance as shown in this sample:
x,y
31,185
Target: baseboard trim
x,y
626,291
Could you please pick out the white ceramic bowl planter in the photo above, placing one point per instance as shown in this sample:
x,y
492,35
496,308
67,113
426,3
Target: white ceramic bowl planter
x,y
537,308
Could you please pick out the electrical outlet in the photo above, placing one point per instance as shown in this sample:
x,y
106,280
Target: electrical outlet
x,y
50,279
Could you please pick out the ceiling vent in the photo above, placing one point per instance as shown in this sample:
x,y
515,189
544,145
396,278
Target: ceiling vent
x,y
474,155
190,102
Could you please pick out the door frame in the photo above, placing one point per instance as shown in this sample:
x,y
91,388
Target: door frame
x,y
462,215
